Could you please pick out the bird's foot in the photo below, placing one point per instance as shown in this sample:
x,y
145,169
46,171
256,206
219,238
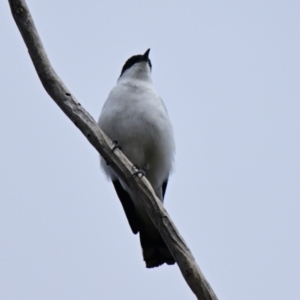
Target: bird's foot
x,y
139,171
116,146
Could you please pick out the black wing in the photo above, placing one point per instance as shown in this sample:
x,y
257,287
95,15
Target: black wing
x,y
128,207
164,187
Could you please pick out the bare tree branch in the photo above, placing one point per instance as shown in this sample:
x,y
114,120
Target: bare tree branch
x,y
122,166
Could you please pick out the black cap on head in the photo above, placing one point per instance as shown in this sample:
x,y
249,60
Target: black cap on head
x,y
136,59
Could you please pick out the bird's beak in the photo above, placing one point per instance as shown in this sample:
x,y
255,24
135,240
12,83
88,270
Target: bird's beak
x,y
145,56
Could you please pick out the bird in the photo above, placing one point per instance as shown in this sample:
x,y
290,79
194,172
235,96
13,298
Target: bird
x,y
136,119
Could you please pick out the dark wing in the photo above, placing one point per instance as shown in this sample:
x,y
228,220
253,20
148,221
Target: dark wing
x,y
164,187
128,206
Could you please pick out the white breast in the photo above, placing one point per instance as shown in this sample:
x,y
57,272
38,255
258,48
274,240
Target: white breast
x,y
135,116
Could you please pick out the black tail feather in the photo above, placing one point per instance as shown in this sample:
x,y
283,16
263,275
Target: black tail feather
x,y
155,251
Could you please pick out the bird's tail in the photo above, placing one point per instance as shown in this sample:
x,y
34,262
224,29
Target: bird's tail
x,y
155,250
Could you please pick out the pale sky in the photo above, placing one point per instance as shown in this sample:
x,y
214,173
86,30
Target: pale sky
x,y
229,74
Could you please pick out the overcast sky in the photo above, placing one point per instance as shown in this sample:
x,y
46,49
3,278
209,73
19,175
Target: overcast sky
x,y
229,74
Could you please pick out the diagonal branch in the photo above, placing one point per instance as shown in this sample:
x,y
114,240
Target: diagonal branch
x,y
121,165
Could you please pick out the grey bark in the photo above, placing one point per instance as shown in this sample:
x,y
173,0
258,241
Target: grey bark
x,y
123,167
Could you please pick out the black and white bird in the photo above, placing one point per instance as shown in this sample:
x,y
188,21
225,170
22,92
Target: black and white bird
x,y
136,118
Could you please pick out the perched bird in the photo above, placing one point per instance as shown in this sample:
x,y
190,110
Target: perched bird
x,y
135,117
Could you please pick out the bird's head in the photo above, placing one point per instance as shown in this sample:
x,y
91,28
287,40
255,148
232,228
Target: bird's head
x,y
137,66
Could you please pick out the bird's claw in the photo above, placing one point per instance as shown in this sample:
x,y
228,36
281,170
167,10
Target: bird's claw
x,y
138,172
116,146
